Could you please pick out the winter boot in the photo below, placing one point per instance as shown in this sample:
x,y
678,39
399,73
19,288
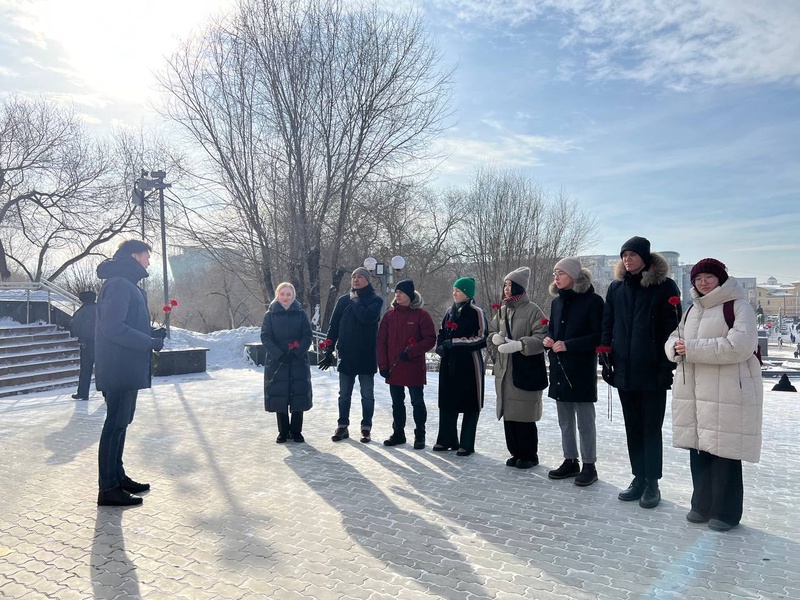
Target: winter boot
x,y
569,468
588,475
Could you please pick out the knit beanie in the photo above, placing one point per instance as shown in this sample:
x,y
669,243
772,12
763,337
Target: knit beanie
x,y
570,266
361,271
521,277
466,285
639,245
406,286
712,266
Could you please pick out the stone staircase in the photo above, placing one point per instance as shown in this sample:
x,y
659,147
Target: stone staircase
x,y
34,358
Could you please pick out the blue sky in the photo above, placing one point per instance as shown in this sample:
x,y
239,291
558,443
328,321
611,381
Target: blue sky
x,y
677,120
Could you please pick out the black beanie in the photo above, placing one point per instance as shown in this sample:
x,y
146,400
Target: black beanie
x,y
406,286
639,245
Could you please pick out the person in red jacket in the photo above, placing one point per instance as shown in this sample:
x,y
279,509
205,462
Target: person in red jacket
x,y
405,334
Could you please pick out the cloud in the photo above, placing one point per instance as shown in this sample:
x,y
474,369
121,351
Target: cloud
x,y
679,44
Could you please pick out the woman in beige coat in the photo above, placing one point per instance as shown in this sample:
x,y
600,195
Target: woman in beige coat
x,y
519,409
717,394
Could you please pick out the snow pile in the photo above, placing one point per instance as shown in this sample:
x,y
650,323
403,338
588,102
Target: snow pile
x,y
226,347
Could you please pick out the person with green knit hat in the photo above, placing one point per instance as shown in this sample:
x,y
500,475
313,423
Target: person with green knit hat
x,y
461,372
466,285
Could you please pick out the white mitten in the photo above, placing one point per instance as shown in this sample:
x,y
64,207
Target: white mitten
x,y
510,347
498,339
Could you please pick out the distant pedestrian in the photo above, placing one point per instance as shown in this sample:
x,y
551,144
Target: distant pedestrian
x,y
461,372
354,332
573,334
717,400
780,340
518,327
124,363
405,334
784,385
82,327
286,336
638,317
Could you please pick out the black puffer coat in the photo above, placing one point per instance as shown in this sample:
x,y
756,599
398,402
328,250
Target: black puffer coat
x,y
287,372
123,343
637,320
461,371
354,331
576,318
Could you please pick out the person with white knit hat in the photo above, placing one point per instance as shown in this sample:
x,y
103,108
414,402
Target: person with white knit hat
x,y
518,327
573,334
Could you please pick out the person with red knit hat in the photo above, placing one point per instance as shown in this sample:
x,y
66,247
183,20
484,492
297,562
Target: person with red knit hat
x,y
718,394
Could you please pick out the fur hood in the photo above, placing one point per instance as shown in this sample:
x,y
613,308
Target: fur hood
x,y
581,285
416,303
656,273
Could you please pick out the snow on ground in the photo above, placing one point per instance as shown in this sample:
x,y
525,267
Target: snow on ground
x,y
226,347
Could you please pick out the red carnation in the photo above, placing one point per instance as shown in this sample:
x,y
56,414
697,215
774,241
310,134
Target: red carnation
x,y
603,349
674,300
544,321
496,306
411,341
173,302
166,308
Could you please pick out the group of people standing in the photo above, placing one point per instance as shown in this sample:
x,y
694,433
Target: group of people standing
x,y
640,332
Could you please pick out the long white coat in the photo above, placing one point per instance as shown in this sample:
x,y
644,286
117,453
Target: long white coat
x,y
718,409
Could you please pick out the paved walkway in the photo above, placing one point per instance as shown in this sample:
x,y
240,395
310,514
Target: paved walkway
x,y
233,515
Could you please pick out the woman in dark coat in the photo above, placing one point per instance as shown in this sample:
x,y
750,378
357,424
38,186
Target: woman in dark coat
x,y
576,322
286,335
461,373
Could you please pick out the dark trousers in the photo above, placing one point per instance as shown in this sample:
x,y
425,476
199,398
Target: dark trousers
x,y
87,366
294,426
522,439
718,488
420,413
448,429
644,416
120,407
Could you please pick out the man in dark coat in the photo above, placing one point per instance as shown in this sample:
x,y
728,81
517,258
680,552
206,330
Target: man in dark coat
x,y
83,324
638,318
354,332
125,343
405,334
576,322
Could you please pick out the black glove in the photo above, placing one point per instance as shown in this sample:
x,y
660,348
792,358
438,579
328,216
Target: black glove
x,y
447,345
385,374
156,343
286,357
440,350
404,355
161,332
325,363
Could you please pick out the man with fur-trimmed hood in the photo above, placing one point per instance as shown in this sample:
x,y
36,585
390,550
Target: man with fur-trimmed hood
x,y
405,334
637,320
576,322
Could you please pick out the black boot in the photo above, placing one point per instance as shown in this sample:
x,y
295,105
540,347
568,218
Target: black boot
x,y
634,491
569,468
651,495
283,428
588,475
117,497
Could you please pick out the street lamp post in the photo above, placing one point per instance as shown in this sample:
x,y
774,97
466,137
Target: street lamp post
x,y
155,181
385,276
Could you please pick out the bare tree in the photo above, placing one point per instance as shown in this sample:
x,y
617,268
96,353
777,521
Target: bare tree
x,y
299,106
510,222
59,199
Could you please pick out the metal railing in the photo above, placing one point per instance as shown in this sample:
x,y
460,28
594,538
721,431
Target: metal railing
x,y
39,291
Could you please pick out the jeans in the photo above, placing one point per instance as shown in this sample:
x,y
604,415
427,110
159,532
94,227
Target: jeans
x,y
120,407
367,384
87,365
584,412
397,392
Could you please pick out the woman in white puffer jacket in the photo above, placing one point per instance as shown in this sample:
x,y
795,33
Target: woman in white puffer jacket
x,y
718,393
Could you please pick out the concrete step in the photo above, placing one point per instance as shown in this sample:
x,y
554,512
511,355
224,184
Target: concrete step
x,y
15,348
34,338
6,331
42,375
41,356
30,388
37,364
